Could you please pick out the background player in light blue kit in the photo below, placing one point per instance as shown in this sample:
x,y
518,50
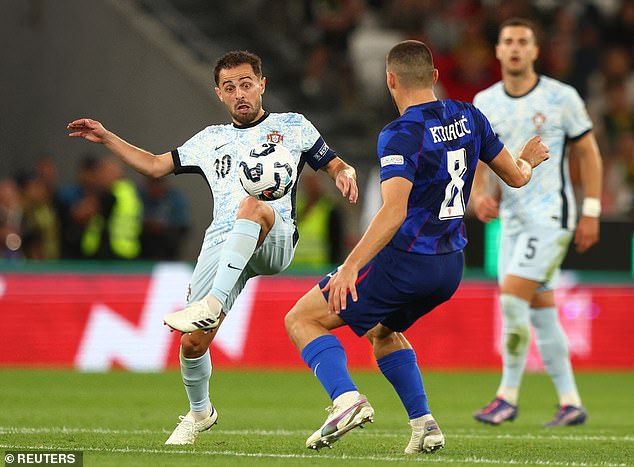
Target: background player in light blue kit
x,y
537,221
410,258
247,237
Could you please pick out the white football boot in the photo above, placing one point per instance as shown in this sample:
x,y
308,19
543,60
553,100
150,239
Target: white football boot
x,y
188,428
341,419
203,315
426,436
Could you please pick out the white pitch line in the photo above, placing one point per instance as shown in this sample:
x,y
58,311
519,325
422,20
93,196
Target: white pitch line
x,y
318,456
373,433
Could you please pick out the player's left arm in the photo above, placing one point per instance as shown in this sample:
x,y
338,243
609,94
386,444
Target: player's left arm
x,y
395,192
591,169
345,178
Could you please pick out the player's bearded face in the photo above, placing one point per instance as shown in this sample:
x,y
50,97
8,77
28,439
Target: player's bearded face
x,y
241,93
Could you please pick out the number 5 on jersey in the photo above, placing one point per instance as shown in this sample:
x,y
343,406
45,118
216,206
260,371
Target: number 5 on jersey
x,y
453,204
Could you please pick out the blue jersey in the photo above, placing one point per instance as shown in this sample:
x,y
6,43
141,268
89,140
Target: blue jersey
x,y
436,146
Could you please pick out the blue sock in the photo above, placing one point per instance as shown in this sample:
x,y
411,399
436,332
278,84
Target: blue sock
x,y
235,255
196,373
400,369
326,357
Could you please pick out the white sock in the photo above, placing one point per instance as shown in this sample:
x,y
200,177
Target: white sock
x,y
196,373
516,335
570,398
419,422
510,395
236,253
200,415
553,347
345,399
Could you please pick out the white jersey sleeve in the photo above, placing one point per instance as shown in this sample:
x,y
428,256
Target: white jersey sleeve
x,y
576,121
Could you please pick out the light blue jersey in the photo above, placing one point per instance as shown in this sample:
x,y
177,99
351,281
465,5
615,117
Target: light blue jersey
x,y
216,153
555,111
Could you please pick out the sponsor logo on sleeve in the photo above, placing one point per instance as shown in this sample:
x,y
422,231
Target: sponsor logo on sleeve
x,y
393,159
322,152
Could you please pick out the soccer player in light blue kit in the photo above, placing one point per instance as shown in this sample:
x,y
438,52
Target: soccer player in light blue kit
x,y
537,221
410,258
246,237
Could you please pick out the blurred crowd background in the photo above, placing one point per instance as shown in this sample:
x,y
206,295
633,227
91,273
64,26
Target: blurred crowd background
x,y
323,58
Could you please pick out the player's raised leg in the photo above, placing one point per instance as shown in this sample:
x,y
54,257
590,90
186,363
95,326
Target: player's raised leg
x,y
254,221
308,325
196,371
397,361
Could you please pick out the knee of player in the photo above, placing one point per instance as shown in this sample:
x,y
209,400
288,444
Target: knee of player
x,y
380,334
193,346
293,320
252,209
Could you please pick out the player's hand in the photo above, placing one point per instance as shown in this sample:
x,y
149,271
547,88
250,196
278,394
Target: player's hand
x,y
486,208
347,185
92,130
587,233
341,282
534,151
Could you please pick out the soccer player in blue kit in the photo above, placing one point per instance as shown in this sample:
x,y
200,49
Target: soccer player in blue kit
x,y
246,237
410,258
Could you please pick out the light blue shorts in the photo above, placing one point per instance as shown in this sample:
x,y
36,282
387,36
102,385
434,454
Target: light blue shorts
x,y
535,254
272,257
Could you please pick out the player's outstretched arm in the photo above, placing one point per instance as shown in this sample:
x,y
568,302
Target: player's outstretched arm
x,y
140,160
386,222
591,170
517,172
345,178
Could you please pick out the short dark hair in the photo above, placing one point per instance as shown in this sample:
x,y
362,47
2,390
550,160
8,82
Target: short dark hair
x,y
516,21
412,62
236,58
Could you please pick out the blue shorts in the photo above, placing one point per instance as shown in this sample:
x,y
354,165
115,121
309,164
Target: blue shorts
x,y
396,288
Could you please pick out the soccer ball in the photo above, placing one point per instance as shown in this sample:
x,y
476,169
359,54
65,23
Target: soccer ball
x,y
268,172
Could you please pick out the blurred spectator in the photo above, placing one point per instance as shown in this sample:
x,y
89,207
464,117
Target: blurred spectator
x,y
46,172
618,116
77,204
615,66
369,44
165,220
618,198
588,49
319,224
114,230
329,24
620,31
557,46
470,69
11,213
407,17
40,224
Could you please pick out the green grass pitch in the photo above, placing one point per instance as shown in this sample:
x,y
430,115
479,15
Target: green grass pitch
x,y
123,419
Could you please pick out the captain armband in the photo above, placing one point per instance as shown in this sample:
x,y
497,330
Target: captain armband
x,y
591,207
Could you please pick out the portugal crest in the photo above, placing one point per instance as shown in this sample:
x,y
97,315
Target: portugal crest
x,y
538,120
274,137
